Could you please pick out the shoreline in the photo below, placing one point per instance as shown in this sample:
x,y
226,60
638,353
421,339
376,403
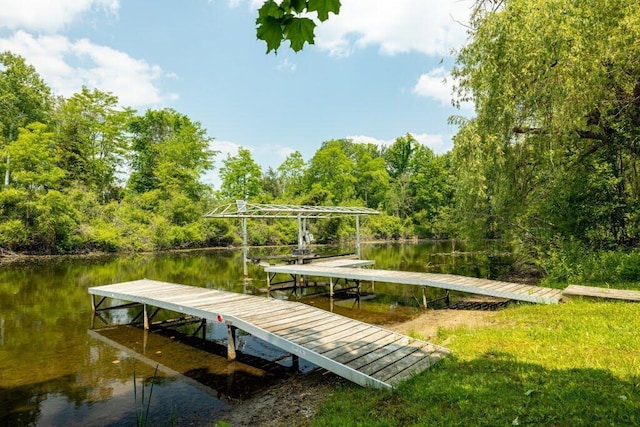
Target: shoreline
x,y
297,398
8,256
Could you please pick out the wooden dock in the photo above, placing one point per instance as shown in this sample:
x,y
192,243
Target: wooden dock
x,y
492,288
607,293
365,354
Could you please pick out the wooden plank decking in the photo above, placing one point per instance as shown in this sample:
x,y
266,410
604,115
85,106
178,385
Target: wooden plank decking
x,y
514,291
343,262
365,354
589,291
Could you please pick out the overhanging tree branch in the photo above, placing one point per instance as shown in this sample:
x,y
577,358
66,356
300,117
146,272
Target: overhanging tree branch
x,y
586,134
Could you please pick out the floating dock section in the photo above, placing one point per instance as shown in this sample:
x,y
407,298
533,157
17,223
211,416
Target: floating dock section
x,y
492,288
364,354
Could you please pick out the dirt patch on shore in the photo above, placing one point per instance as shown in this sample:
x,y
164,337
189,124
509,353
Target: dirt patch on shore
x,y
427,324
295,400
292,402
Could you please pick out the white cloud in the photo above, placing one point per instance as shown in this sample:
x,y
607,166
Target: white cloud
x,y
253,4
438,143
49,15
287,65
66,65
401,26
365,139
438,84
225,148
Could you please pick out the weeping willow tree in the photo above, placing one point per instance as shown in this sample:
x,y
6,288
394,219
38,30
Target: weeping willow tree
x,y
553,149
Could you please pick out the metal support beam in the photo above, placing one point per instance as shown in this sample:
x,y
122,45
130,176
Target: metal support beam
x,y
94,316
245,249
202,327
358,236
150,319
136,317
300,236
95,306
304,235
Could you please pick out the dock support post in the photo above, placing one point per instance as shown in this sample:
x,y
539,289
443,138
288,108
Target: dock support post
x,y
447,298
268,286
331,287
295,362
231,342
146,316
424,297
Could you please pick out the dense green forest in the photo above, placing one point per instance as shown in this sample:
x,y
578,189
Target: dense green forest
x,y
548,164
85,174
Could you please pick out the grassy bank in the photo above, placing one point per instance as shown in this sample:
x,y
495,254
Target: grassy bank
x,y
571,364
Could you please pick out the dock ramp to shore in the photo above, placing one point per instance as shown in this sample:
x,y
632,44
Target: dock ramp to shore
x,y
362,353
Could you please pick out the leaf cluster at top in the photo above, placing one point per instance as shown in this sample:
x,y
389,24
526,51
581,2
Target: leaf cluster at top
x,y
285,21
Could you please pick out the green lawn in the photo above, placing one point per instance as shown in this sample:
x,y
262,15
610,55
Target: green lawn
x,y
571,364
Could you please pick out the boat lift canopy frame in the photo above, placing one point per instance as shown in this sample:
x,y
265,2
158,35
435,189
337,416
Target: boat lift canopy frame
x,y
243,210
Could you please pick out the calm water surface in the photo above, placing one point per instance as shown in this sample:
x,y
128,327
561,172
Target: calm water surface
x,y
60,365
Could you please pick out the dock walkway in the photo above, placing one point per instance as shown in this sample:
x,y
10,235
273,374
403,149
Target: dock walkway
x,y
607,293
493,288
365,354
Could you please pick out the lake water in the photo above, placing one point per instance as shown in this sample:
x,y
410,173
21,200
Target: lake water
x,y
60,365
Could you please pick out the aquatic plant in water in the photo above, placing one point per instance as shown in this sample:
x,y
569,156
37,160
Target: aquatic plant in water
x,y
142,408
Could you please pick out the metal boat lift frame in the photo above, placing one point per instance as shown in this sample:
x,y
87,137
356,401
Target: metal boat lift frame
x,y
245,210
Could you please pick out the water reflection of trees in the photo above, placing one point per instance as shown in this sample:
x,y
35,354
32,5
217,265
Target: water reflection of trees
x,y
45,311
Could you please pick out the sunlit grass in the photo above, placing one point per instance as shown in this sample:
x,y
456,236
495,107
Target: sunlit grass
x,y
570,364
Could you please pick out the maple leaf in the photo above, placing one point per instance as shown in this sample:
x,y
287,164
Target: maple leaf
x,y
298,31
298,5
323,7
270,9
270,30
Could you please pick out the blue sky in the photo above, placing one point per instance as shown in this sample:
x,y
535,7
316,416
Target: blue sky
x,y
377,71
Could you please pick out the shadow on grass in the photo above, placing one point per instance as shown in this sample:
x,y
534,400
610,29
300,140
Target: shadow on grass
x,y
494,390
